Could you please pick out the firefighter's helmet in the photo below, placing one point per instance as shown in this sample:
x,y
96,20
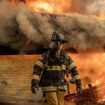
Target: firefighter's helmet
x,y
58,37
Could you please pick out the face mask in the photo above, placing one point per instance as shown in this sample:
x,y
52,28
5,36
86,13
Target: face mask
x,y
55,45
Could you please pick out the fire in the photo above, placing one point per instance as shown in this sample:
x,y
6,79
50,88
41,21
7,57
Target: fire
x,y
91,67
102,17
97,83
58,7
47,6
92,71
41,7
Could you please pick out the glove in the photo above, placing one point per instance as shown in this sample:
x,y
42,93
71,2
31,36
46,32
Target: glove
x,y
79,86
34,86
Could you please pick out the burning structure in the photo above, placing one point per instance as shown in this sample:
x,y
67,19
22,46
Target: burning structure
x,y
84,33
31,21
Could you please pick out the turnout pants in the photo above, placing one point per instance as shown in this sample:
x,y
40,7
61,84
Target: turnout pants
x,y
55,97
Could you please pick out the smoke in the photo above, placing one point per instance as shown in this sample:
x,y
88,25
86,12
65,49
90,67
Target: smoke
x,y
26,30
98,7
81,6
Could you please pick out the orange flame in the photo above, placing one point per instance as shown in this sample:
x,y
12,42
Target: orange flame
x,y
102,17
92,71
54,6
41,7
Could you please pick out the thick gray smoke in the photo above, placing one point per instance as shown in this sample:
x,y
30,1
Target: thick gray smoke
x,y
25,30
98,7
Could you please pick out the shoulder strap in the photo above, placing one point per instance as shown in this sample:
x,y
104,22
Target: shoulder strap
x,y
45,58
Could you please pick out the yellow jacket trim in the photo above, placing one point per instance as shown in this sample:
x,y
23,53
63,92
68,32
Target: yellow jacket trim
x,y
62,87
76,77
40,64
36,77
54,88
72,66
63,67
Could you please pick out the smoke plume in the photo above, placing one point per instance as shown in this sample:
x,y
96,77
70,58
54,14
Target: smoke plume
x,y
81,6
98,7
25,30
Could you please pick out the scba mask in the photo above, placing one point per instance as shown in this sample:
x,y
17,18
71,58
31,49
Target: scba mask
x,y
55,45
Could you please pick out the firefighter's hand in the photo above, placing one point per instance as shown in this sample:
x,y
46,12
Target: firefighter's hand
x,y
79,89
34,86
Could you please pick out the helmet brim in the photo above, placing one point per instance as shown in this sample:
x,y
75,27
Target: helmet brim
x,y
64,41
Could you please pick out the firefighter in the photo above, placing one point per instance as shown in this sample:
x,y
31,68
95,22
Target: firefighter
x,y
50,69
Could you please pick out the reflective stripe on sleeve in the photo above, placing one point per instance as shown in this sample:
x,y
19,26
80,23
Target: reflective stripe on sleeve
x,y
63,67
35,77
60,68
72,66
40,64
76,77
